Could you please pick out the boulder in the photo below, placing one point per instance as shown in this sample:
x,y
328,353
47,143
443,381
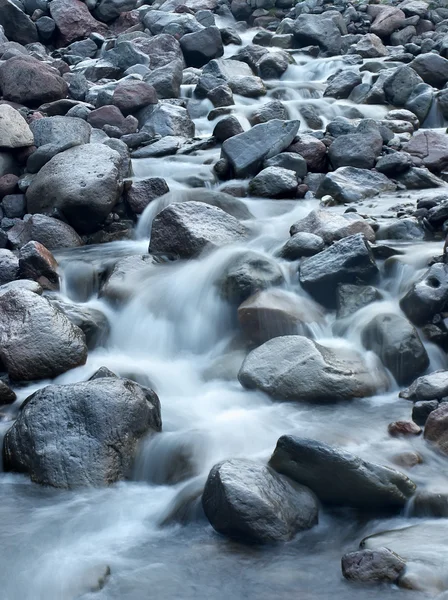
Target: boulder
x,y
351,298
314,152
247,151
428,296
14,130
7,395
339,478
355,150
428,387
17,25
9,266
388,19
227,128
51,233
168,119
202,46
236,74
161,49
321,30
38,264
83,183
267,112
349,260
350,184
331,226
370,46
288,160
251,502
108,10
429,149
273,65
188,228
74,21
302,244
25,80
407,229
37,341
274,182
341,85
393,164
422,409
81,434
373,566
429,504
398,344
132,95
399,85
144,191
432,68
436,428
298,369
127,271
92,322
60,130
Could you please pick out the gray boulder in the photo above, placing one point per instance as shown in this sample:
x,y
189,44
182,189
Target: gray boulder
x,y
349,260
168,119
17,25
341,85
236,74
251,502
92,322
373,566
432,68
429,149
370,46
351,298
267,112
202,46
58,130
302,244
51,233
188,228
38,264
82,434
108,10
274,182
288,160
14,130
166,80
83,183
387,20
319,29
355,150
298,369
399,85
9,266
428,387
436,428
37,341
349,184
428,296
339,478
331,226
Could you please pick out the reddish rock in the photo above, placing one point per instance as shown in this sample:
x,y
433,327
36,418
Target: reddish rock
x,y
436,429
407,459
38,263
429,149
400,428
387,20
130,96
107,115
8,184
313,151
74,21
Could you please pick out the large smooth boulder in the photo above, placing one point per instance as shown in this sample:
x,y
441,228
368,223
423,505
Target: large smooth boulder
x,y
61,131
428,387
428,296
349,260
373,566
37,341
26,80
429,149
339,478
319,29
296,368
432,68
202,46
188,228
247,151
82,434
50,232
436,428
331,227
17,25
251,502
83,183
398,344
350,184
74,21
14,130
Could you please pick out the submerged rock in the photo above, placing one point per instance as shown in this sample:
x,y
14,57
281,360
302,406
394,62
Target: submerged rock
x,y
373,566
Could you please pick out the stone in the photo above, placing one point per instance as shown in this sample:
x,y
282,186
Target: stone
x,y
420,101
407,229
288,160
373,566
429,149
236,74
144,191
36,340
177,24
321,30
187,228
350,184
403,428
302,244
168,145
8,185
227,128
202,46
422,409
398,345
295,368
275,312
51,233
341,85
81,434
7,395
130,96
14,130
429,504
436,428
432,68
60,130
161,49
274,182
351,298
267,112
9,266
395,163
92,322
17,25
74,21
108,10
312,150
428,387
25,80
168,119
399,85
82,182
273,65
348,260
339,478
252,503
388,19
38,264
370,46
355,150
427,296
247,151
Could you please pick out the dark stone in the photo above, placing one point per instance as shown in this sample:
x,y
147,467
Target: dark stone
x,y
351,298
143,191
428,296
373,566
421,411
202,46
38,264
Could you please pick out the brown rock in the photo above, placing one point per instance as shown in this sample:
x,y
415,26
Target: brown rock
x,y
107,115
313,151
400,428
387,21
429,149
142,192
37,263
436,429
133,95
74,21
407,459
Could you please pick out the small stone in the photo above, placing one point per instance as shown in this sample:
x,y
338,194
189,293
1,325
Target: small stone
x,y
403,428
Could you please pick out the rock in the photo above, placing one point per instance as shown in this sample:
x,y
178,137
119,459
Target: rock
x,y
348,260
351,298
227,128
7,395
74,21
429,149
355,150
401,229
14,130
248,273
273,65
8,185
331,226
419,178
92,322
388,19
108,10
420,101
167,119
288,160
9,266
432,68
83,183
429,504
250,502
51,233
161,49
166,146
370,46
17,25
247,151
403,428
36,340
302,244
321,29
14,206
428,387
428,296
274,182
60,130
37,263
312,150
399,85
45,28
129,96
339,478
421,411
188,228
341,85
398,345
393,164
373,566
178,24
202,46
143,191
349,184
237,75
267,112
81,434
298,369
436,428
275,312
29,81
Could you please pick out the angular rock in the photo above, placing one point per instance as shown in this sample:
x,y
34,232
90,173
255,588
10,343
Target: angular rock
x,y
399,85
227,128
288,160
60,130
349,184
51,233
92,322
429,149
373,566
7,395
9,266
302,244
341,85
74,21
355,150
321,29
108,10
331,226
339,478
388,19
351,298
167,119
14,130
38,264
422,409
436,428
267,112
274,182
370,46
144,191
403,428
432,68
202,46
428,296
312,150
428,387
17,25
130,96
82,434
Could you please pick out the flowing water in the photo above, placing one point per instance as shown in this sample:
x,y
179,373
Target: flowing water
x,y
178,336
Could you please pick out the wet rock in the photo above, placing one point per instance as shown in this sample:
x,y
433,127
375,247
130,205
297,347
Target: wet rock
x,y
37,263
81,434
29,81
341,85
436,428
8,185
202,46
432,68
221,200
272,313
429,149
297,369
119,286
388,19
288,160
92,322
312,150
274,182
60,130
14,130
267,112
370,46
373,566
417,178
339,478
187,228
143,191
36,340
403,428
351,298
428,387
392,164
407,459
349,184
247,151
428,296
322,30
17,25
355,150
130,96
422,409
400,84
51,233
83,183
108,10
331,226
273,65
248,501
14,206
429,504
420,101
7,395
348,260
74,21
9,266
227,128
302,244
166,146
237,75
407,229
167,119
